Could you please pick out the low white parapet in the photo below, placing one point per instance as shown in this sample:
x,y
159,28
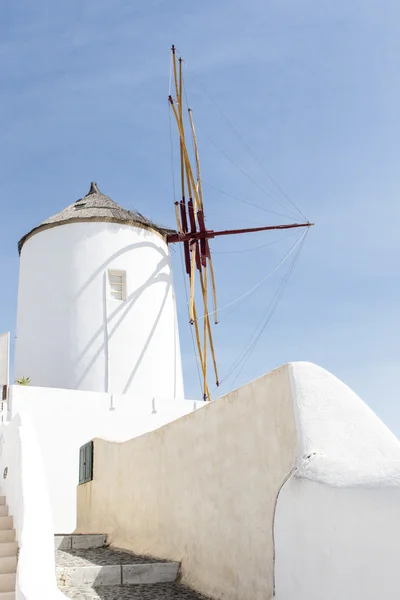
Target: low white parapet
x,y
65,420
25,486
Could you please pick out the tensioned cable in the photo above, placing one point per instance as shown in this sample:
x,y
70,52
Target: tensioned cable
x,y
231,218
270,189
255,287
242,302
274,308
249,346
245,172
242,140
245,201
254,247
238,166
239,304
222,192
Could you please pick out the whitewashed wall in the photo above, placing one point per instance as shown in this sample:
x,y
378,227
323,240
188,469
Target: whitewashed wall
x,y
288,487
71,335
337,543
337,526
4,359
201,490
27,496
65,420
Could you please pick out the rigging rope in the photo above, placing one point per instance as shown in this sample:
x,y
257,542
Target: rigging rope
x,y
238,166
246,174
231,218
255,287
255,247
240,303
274,308
250,345
245,201
242,140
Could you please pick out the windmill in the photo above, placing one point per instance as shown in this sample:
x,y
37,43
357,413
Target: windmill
x,y
193,234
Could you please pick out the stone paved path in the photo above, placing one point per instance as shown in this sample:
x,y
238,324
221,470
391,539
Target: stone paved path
x,y
91,562
156,591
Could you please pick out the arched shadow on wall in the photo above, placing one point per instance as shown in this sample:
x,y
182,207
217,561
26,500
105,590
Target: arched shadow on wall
x,y
149,338
156,277
125,306
104,265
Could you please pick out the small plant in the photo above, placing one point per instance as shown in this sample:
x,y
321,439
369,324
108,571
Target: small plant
x,y
23,381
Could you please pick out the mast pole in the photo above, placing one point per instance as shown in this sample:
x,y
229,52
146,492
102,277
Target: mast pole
x,y
210,233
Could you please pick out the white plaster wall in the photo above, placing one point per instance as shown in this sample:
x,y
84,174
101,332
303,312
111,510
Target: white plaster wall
x,y
349,444
337,526
27,496
71,335
337,543
66,419
4,358
201,490
307,465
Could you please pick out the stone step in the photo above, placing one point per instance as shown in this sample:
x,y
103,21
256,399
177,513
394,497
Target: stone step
x,y
8,549
110,566
3,510
157,591
2,500
80,541
7,582
97,576
7,535
8,564
7,595
6,523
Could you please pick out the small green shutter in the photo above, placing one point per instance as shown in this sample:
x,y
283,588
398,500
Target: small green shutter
x,y
86,463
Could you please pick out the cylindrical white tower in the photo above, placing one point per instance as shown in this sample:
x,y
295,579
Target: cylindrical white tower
x,y
96,303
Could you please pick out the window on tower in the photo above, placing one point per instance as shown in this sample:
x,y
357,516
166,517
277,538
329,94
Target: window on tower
x,y
117,284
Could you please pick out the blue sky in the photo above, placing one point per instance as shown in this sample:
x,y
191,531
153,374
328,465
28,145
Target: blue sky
x,y
314,88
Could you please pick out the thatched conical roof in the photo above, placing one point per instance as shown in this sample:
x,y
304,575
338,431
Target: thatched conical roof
x,y
95,206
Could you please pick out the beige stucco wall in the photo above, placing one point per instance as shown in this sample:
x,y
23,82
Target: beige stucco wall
x,y
201,490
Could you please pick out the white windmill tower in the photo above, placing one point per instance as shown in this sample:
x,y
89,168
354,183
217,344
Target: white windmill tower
x,y
96,303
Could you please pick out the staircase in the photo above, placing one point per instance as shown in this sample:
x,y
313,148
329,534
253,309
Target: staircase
x,y
8,553
88,569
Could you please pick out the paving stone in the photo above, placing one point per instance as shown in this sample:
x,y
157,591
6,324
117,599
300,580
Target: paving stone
x,y
158,591
79,541
149,573
62,542
94,575
85,541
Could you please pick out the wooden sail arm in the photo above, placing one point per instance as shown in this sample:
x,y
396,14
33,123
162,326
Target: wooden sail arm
x,y
207,325
209,233
206,251
196,154
190,177
206,393
214,290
